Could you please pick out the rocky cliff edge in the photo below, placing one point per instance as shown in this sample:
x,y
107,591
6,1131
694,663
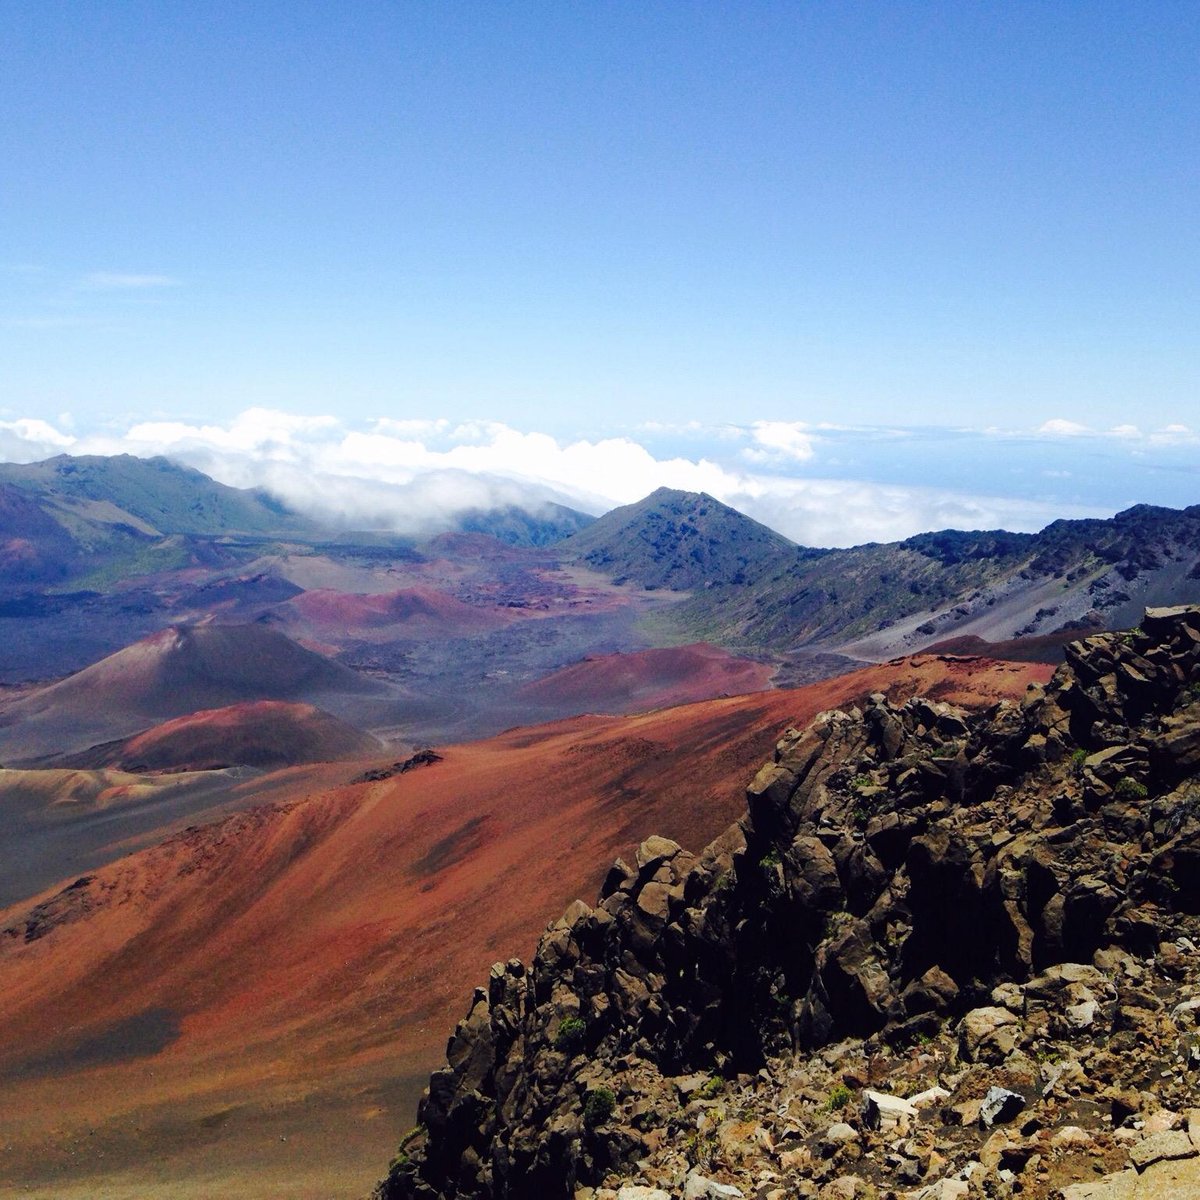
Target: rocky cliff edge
x,y
944,954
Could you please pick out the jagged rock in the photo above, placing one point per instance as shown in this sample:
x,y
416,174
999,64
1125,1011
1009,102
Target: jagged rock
x,y
883,1112
929,1097
836,1136
987,1033
1121,1186
1071,1137
935,991
944,1189
655,851
1000,1106
815,883
1169,1144
846,1187
994,914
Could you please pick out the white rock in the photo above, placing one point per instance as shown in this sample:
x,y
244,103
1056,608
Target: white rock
x,y
698,1187
1070,1136
1184,1015
1080,1016
839,1132
946,1189
929,1097
881,1111
1000,1105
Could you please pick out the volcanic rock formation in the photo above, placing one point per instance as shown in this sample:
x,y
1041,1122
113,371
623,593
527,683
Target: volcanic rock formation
x,y
942,955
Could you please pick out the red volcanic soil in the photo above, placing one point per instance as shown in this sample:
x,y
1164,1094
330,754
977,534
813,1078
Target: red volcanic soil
x,y
254,1004
616,683
260,733
420,611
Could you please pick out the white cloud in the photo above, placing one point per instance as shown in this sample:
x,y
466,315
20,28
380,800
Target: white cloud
x,y
1174,435
411,428
412,476
1058,427
1168,435
262,431
29,439
838,512
780,441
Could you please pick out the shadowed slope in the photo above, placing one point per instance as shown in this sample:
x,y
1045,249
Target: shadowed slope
x,y
176,671
324,944
259,733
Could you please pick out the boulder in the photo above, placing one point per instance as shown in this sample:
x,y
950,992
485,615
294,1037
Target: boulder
x,y
886,1113
1000,1106
987,1034
700,1187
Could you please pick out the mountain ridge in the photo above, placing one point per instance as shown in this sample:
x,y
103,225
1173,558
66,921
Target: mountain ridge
x,y
679,540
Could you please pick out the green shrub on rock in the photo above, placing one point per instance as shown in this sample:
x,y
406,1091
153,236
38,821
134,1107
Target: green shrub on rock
x,y
598,1106
570,1035
1130,789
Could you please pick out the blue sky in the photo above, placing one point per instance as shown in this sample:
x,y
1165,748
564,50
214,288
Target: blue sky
x,y
581,219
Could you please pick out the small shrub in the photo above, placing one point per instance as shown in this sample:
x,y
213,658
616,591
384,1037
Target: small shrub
x,y
714,1087
570,1035
417,1131
701,1149
770,860
401,1158
832,923
839,1097
598,1105
1130,789
1078,758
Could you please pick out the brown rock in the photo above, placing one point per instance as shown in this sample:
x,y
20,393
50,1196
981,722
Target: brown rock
x,y
1172,1144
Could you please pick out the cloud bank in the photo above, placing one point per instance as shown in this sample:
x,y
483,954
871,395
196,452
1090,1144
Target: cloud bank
x,y
413,475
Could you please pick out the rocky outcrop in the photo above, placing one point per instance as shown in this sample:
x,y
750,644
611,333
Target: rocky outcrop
x,y
940,948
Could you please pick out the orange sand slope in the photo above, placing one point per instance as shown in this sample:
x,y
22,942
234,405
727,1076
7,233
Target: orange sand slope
x,y
291,965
